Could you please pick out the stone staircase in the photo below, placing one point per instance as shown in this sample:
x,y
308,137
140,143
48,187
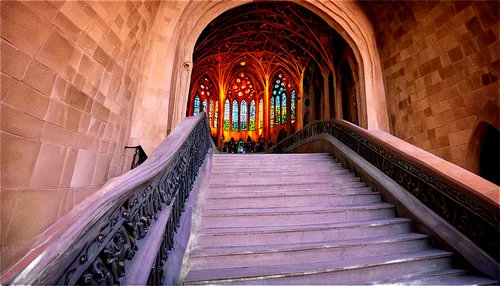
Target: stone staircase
x,y
297,219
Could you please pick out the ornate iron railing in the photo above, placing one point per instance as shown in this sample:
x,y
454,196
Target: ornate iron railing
x,y
139,156
100,246
474,217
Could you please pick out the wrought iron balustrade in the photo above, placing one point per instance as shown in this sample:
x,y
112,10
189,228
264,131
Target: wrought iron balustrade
x,y
135,215
476,218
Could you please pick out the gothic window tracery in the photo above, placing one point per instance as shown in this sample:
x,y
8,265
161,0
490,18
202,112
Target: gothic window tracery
x,y
242,87
196,104
204,92
261,114
234,119
292,106
252,116
204,105
243,116
279,109
226,115
211,112
272,111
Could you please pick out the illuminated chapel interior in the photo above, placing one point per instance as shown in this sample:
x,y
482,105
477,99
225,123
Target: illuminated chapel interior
x,y
261,71
155,142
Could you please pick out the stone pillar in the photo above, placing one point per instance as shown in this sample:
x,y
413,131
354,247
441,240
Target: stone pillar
x,y
266,130
326,93
220,126
299,101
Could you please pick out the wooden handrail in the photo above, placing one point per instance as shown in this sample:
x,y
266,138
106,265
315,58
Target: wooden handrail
x,y
471,197
117,216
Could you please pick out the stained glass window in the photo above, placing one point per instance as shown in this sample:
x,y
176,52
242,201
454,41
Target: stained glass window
x,y
211,112
252,115
235,117
196,110
278,113
205,92
278,110
261,114
272,111
242,86
243,116
216,115
226,115
283,108
292,106
204,105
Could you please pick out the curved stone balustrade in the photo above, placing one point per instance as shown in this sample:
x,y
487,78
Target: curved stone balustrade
x,y
122,233
464,200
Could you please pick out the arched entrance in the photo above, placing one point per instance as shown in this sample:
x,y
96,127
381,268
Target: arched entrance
x,y
357,31
276,46
483,156
489,158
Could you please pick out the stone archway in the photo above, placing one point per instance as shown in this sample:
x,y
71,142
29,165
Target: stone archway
x,y
484,132
346,17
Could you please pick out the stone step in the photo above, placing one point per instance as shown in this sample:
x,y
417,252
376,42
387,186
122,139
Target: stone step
x,y
350,271
273,172
247,191
293,199
240,236
335,176
270,156
276,164
443,277
259,255
269,186
295,216
275,159
262,168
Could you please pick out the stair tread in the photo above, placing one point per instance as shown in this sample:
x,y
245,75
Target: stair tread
x,y
293,186
326,177
286,228
297,210
304,192
288,270
442,277
254,249
246,173
274,183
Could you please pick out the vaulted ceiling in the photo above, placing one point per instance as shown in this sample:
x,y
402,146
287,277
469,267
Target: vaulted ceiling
x,y
265,36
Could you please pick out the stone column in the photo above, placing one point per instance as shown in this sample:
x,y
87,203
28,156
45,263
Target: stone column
x,y
266,130
299,99
326,93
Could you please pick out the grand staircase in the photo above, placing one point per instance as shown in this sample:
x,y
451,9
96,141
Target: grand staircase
x,y
298,219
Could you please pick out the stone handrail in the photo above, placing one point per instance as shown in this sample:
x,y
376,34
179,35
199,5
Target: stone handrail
x,y
464,200
122,233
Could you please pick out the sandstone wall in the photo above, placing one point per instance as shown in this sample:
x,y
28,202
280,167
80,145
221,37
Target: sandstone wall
x,y
69,74
441,62
152,103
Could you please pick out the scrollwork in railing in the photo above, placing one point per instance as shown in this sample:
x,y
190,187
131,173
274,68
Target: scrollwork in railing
x,y
171,186
471,217
104,249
